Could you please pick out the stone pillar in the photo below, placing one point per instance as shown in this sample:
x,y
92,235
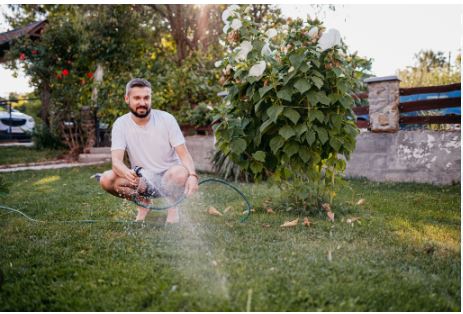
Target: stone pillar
x,y
383,100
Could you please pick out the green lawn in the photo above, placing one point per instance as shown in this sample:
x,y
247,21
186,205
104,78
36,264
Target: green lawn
x,y
403,256
19,154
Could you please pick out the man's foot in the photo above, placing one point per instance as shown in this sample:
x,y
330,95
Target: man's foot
x,y
142,212
172,216
96,176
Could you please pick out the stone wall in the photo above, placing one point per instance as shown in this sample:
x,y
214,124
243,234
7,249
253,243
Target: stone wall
x,y
406,156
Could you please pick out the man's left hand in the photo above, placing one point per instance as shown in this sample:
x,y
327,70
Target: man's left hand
x,y
191,185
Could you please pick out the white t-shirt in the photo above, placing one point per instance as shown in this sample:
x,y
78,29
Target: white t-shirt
x,y
151,146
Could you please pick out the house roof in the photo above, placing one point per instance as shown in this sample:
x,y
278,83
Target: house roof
x,y
32,30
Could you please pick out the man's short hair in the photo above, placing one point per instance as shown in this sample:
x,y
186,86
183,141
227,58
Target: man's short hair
x,y
136,82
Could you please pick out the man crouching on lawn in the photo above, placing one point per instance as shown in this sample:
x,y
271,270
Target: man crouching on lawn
x,y
153,141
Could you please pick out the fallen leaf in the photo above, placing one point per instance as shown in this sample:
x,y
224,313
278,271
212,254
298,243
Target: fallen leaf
x,y
227,209
292,223
352,220
266,225
361,202
270,210
326,207
330,256
330,216
213,211
307,222
214,263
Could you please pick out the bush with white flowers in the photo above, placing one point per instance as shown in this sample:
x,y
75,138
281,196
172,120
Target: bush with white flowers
x,y
288,114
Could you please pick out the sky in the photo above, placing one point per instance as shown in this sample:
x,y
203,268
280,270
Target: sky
x,y
389,34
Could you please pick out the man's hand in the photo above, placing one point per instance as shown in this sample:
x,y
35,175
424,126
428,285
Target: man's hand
x,y
191,185
131,176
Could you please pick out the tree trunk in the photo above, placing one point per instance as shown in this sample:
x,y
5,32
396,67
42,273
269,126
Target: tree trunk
x,y
89,114
45,96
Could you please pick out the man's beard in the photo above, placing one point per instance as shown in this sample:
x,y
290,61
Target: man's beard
x,y
140,115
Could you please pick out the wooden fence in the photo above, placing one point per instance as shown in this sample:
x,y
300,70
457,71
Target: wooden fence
x,y
413,106
429,104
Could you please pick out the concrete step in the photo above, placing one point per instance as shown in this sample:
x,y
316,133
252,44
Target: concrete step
x,y
94,157
100,150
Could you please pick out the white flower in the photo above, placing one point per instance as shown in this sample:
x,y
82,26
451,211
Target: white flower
x,y
329,39
271,33
284,27
266,51
313,31
218,63
236,24
229,12
226,28
257,69
243,50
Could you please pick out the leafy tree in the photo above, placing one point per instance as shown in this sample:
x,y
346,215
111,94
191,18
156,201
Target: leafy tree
x,y
288,114
431,68
62,64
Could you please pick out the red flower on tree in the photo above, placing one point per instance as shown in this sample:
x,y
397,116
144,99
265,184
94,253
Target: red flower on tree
x,y
90,75
35,52
22,56
65,72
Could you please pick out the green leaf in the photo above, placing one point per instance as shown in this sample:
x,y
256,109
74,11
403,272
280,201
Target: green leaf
x,y
304,153
319,115
302,85
336,120
335,143
322,98
256,167
310,138
264,90
285,93
322,135
291,148
259,156
257,105
292,115
274,112
276,143
346,101
300,129
317,81
265,125
296,59
287,132
238,146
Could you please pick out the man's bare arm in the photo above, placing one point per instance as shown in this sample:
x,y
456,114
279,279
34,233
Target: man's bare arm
x,y
120,169
191,184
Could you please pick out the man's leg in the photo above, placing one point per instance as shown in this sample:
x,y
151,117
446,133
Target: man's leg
x,y
173,185
121,187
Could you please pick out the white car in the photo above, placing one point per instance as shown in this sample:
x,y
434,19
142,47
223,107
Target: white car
x,y
16,124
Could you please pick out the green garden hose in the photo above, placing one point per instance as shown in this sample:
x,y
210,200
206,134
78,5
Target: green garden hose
x,y
182,198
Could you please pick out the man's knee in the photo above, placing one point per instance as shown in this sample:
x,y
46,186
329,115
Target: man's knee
x,y
107,180
176,175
